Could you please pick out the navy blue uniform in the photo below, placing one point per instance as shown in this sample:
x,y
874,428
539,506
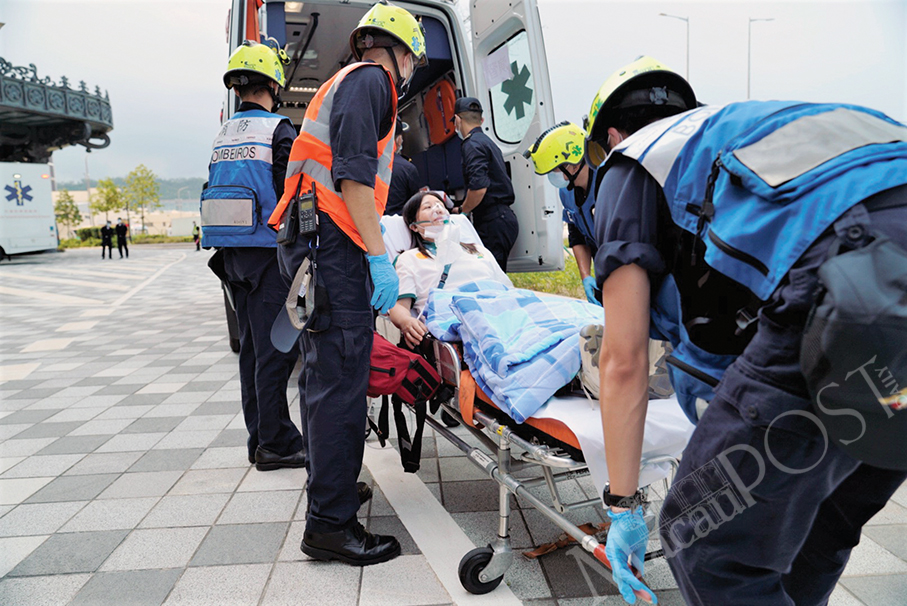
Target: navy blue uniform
x,y
107,241
259,292
405,183
494,220
788,539
122,239
334,379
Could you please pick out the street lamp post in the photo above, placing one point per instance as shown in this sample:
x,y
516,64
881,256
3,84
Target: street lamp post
x,y
179,197
687,21
749,51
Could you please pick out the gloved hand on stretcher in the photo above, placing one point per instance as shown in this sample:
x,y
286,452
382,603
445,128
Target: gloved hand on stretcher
x,y
626,545
385,282
589,286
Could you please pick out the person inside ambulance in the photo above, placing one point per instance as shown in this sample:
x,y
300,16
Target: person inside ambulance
x,y
489,192
250,155
559,153
405,180
345,156
720,228
438,259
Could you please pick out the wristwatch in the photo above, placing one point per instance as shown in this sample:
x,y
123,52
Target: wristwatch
x,y
632,502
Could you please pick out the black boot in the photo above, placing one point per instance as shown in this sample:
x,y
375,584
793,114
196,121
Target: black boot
x,y
354,545
265,460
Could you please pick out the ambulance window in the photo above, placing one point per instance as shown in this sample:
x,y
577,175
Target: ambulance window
x,y
508,74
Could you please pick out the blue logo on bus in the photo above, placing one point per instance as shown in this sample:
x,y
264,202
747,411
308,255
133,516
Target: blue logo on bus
x,y
18,193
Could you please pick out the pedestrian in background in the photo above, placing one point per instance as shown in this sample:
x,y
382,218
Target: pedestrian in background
x,y
196,236
107,240
122,231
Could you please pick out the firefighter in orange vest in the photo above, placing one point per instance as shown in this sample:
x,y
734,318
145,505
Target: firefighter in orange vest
x,y
344,152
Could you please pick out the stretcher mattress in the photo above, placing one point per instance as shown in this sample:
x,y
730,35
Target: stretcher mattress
x,y
575,420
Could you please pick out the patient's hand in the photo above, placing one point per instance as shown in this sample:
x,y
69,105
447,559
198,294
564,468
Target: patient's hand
x,y
413,330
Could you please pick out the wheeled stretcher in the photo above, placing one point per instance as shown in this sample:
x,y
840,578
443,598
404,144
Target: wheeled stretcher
x,y
546,442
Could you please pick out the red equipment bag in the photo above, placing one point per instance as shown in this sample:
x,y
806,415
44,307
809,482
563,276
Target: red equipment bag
x,y
438,108
397,371
407,378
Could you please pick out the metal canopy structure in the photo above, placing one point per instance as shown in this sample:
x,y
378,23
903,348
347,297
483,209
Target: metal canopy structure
x,y
38,116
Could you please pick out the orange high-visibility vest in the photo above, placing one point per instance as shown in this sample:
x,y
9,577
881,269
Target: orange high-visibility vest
x,y
311,160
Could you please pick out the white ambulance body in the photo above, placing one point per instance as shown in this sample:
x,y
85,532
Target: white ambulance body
x,y
27,222
488,49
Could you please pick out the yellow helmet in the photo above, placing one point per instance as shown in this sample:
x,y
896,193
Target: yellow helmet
x,y
644,82
563,143
398,23
253,61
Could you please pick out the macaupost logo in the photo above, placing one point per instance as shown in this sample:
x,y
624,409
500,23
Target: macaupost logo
x,y
18,193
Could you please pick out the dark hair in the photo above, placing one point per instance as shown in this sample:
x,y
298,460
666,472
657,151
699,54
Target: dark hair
x,y
633,119
411,210
473,117
253,88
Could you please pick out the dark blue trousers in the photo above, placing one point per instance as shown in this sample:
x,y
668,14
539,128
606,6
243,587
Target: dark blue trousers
x,y
259,292
765,509
334,380
498,228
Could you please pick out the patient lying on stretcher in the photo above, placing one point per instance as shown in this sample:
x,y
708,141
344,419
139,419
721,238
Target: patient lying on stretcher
x,y
437,259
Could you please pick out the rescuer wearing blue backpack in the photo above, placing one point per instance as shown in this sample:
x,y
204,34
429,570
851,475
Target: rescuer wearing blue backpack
x,y
246,178
766,241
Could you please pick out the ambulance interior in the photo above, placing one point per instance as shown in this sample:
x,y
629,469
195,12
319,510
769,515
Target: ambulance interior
x,y
492,50
317,40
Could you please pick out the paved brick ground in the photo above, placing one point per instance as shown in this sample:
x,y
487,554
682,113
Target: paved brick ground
x,y
124,479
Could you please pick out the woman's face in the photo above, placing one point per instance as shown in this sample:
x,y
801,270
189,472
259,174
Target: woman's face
x,y
431,212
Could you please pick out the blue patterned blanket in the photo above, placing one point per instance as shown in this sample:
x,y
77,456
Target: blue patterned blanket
x,y
521,346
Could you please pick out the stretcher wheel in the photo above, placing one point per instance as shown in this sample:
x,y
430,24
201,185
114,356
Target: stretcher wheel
x,y
471,566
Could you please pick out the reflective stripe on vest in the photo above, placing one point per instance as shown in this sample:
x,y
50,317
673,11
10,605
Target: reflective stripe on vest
x,y
777,174
311,159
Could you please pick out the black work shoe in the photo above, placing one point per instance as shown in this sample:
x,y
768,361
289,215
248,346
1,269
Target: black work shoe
x,y
355,546
265,460
364,492
252,458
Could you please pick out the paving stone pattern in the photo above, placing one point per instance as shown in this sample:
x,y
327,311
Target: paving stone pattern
x,y
124,478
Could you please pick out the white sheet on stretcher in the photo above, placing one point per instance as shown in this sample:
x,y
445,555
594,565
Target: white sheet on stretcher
x,y
667,433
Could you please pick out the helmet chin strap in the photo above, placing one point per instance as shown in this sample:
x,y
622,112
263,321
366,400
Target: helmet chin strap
x,y
275,97
571,178
401,83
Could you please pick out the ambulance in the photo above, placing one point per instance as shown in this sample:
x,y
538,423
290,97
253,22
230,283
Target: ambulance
x,y
488,49
27,222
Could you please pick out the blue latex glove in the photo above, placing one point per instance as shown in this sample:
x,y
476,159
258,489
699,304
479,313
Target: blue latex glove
x,y
626,542
385,282
589,286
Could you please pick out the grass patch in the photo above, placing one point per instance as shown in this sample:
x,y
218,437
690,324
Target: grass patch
x,y
566,283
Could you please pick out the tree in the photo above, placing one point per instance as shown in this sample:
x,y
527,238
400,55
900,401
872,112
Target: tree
x,y
66,211
142,191
107,197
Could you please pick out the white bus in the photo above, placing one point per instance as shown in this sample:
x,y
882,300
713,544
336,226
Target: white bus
x,y
27,222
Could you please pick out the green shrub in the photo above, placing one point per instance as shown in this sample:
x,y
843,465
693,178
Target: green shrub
x,y
78,243
85,233
158,239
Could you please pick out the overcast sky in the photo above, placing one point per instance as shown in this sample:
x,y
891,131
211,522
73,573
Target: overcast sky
x,y
162,62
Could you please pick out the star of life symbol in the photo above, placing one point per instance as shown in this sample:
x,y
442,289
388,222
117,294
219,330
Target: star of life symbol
x,y
18,193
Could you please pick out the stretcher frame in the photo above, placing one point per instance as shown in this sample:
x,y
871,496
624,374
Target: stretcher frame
x,y
482,569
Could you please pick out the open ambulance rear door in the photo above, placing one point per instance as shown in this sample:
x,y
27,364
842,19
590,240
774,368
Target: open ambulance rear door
x,y
511,75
